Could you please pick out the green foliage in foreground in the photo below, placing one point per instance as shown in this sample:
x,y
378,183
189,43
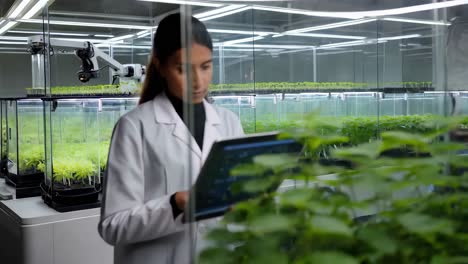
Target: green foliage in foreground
x,y
319,224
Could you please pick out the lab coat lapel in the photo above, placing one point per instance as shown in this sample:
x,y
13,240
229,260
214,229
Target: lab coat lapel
x,y
212,132
166,114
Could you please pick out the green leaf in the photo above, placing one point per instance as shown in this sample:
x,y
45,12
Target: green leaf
x,y
270,223
378,238
328,258
425,224
215,256
439,259
368,151
275,160
395,139
296,198
331,225
270,257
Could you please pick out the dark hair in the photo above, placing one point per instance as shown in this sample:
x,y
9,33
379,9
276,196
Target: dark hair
x,y
166,42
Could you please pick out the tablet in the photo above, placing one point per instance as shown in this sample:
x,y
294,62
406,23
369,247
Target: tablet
x,y
213,191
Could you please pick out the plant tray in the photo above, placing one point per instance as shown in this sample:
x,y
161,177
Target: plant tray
x,y
65,199
24,180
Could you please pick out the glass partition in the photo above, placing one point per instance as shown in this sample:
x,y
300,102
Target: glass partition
x,y
25,146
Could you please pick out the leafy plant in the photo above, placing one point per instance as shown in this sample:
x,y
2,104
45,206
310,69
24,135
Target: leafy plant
x,y
379,209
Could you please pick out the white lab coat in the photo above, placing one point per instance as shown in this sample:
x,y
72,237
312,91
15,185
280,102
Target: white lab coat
x,y
148,162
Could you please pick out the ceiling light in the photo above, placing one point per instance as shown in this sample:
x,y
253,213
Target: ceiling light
x,y
295,51
418,54
251,49
121,38
144,35
345,44
143,32
84,24
7,26
181,2
33,11
240,32
362,14
19,9
307,12
104,36
318,35
265,46
351,43
226,13
51,33
412,9
130,47
13,38
337,52
332,25
13,42
218,11
401,37
83,40
416,21
250,39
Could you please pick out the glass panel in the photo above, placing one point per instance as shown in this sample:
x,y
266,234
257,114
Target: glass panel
x,y
233,62
3,138
30,138
12,116
76,155
111,110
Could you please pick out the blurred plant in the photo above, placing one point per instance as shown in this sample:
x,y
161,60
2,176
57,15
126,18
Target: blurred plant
x,y
375,209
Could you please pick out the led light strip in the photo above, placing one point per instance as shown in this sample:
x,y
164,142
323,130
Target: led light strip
x,y
416,21
13,42
226,13
13,38
19,9
84,24
120,38
401,37
250,39
218,11
86,39
332,25
241,32
349,15
51,33
318,35
33,11
182,2
264,46
352,43
104,36
7,26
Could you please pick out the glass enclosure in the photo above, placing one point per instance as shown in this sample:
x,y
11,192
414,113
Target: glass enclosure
x,y
25,145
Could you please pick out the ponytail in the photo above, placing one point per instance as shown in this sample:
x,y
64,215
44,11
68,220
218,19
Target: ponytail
x,y
154,84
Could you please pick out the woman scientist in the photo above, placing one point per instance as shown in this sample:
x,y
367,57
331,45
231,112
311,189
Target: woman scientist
x,y
147,167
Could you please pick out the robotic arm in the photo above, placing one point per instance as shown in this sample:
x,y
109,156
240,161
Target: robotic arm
x,y
88,55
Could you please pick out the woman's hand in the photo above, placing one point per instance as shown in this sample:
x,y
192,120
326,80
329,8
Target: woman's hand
x,y
181,199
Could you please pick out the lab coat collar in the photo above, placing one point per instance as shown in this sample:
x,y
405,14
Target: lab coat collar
x,y
165,113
